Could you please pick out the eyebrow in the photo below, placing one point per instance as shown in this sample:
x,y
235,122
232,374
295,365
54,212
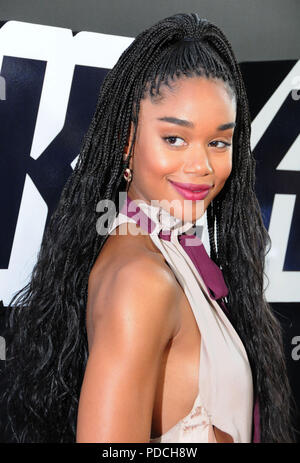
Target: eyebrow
x,y
184,123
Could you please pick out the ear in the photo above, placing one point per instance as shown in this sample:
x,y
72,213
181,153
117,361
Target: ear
x,y
128,144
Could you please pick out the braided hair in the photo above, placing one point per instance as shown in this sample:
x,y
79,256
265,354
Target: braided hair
x,y
50,349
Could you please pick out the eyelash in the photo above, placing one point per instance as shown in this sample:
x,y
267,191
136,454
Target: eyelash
x,y
174,136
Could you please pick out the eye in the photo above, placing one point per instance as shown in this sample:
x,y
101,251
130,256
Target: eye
x,y
224,143
171,139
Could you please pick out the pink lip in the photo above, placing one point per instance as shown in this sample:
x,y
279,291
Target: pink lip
x,y
188,190
192,186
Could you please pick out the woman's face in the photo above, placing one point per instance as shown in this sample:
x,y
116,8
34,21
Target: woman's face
x,y
197,151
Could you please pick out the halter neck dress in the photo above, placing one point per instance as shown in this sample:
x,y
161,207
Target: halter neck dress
x,y
225,393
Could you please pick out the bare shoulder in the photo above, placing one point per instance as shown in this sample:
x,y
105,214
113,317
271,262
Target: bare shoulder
x,y
134,317
136,284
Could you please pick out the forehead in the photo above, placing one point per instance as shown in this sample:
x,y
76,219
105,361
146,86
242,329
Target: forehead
x,y
195,98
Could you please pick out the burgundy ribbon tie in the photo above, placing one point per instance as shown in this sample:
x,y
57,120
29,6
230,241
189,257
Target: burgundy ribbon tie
x,y
207,268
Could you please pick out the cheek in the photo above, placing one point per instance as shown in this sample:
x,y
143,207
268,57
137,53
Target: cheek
x,y
152,159
222,168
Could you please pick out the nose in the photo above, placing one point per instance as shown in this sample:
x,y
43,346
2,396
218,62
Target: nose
x,y
197,162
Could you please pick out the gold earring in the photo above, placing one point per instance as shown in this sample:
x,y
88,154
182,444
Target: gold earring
x,y
128,177
128,174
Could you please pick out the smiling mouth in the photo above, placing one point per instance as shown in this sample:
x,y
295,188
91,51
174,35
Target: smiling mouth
x,y
192,186
191,193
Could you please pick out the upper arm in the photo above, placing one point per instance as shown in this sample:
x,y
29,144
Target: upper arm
x,y
131,334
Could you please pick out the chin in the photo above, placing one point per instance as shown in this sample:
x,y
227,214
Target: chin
x,y
190,211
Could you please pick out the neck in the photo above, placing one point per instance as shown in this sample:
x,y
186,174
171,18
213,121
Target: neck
x,y
156,216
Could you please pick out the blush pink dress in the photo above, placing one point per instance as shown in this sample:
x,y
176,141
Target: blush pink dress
x,y
225,394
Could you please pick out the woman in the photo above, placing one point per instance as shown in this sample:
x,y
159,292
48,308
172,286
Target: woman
x,y
106,327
